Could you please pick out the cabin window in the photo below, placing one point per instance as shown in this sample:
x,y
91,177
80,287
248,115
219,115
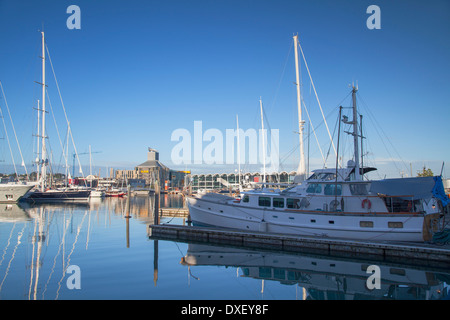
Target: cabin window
x,y
314,188
366,224
358,189
333,190
392,224
278,203
397,271
245,199
325,176
264,202
293,203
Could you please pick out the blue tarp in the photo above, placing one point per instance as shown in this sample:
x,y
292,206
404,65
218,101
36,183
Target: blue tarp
x,y
438,190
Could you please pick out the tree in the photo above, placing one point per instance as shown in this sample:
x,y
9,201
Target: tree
x,y
425,172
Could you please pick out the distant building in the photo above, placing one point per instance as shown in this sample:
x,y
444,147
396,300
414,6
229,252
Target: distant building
x,y
231,180
153,169
126,174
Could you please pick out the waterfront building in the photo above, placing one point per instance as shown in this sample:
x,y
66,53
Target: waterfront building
x,y
212,181
153,169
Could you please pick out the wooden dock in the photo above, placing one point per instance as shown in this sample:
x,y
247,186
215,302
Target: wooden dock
x,y
174,212
420,254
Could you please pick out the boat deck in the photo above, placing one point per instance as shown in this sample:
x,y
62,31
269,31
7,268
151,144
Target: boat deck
x,y
424,254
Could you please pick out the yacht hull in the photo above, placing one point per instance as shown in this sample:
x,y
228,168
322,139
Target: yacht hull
x,y
376,227
12,193
60,196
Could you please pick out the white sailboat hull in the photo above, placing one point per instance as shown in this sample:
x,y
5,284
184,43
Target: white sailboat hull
x,y
12,193
377,227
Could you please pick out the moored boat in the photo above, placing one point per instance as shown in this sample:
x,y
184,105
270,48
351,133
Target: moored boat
x,y
60,195
43,193
326,208
332,202
13,192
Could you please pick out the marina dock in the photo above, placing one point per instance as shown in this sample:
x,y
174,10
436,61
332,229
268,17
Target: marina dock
x,y
174,212
423,254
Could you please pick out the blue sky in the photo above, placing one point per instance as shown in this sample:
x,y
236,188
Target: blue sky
x,y
138,70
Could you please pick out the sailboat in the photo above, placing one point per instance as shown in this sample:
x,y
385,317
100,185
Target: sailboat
x,y
43,193
332,202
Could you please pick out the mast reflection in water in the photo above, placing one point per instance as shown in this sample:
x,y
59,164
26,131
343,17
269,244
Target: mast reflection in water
x,y
117,260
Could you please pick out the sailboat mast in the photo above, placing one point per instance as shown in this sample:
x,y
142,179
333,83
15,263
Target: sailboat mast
x,y
263,143
238,152
355,134
301,170
44,152
38,147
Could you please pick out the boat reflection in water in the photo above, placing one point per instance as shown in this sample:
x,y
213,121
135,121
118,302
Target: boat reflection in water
x,y
110,245
12,212
40,241
325,278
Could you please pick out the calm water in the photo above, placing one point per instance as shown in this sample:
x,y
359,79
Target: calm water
x,y
41,244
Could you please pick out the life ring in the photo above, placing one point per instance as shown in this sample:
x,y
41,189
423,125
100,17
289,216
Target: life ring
x,y
369,204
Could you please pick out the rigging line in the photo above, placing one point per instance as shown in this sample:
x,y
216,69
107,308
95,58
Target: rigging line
x,y
57,130
297,145
64,109
9,144
317,97
54,261
282,160
70,253
315,135
377,125
334,131
269,129
7,244
14,130
19,237
282,75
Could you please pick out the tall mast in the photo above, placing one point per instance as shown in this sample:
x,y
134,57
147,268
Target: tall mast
x,y
38,136
238,153
44,152
301,170
355,134
263,144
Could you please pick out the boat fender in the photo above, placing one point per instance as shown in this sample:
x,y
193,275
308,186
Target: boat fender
x,y
363,204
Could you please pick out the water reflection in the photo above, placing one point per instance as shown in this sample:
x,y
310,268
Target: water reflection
x,y
12,213
324,278
38,242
